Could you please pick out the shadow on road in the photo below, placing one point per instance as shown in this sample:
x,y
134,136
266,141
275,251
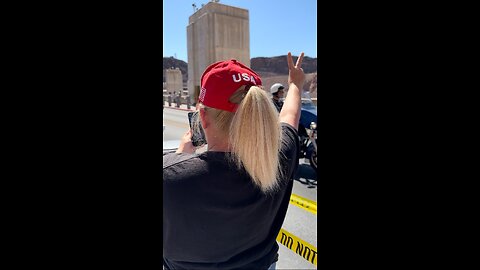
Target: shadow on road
x,y
306,175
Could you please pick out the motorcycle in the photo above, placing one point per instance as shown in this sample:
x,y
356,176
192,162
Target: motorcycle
x,y
307,131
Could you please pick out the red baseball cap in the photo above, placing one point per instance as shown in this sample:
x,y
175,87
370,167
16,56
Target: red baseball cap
x,y
220,80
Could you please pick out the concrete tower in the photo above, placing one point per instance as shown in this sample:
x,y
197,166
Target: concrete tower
x,y
172,80
215,32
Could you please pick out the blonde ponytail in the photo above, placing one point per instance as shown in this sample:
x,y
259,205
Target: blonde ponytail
x,y
254,134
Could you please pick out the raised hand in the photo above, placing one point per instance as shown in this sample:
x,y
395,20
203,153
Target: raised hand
x,y
290,112
295,72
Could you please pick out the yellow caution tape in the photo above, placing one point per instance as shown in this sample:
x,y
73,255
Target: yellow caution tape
x,y
297,245
304,203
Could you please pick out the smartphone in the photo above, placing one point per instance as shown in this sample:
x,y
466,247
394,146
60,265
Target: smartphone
x,y
198,136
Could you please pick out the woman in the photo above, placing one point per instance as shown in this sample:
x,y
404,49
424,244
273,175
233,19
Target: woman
x,y
223,209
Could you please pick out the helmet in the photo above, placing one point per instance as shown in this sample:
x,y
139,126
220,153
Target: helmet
x,y
274,89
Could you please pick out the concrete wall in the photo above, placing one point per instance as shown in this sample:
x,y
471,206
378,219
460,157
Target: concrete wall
x,y
173,80
215,32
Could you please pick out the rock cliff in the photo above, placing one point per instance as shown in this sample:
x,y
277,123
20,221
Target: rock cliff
x,y
278,65
170,62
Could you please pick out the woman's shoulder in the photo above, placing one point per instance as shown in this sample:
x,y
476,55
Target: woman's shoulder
x,y
195,167
172,159
289,136
191,161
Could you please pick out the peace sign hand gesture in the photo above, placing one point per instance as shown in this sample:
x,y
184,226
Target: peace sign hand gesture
x,y
290,112
295,72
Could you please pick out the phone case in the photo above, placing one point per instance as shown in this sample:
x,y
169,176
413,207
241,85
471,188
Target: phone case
x,y
198,136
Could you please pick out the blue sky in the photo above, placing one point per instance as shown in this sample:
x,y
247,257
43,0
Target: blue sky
x,y
276,27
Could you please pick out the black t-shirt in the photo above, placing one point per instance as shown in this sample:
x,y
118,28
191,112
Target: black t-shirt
x,y
214,217
278,104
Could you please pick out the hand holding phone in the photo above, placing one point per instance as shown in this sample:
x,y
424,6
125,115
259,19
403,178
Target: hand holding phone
x,y
198,136
186,145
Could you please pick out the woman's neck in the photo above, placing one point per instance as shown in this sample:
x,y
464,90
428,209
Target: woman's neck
x,y
217,143
218,147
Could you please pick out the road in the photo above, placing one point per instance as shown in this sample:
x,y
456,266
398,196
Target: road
x,y
299,222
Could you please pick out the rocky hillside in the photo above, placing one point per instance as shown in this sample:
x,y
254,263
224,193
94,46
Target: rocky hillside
x,y
277,65
275,70
310,82
169,62
270,69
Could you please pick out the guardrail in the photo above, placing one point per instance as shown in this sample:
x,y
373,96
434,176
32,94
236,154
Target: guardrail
x,y
177,100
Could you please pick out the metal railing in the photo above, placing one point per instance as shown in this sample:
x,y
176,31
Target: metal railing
x,y
175,100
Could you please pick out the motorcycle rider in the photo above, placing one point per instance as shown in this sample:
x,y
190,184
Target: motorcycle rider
x,y
277,91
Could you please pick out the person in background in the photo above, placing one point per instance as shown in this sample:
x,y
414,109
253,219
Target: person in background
x,y
223,208
277,91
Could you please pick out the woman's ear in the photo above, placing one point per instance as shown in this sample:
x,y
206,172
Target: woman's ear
x,y
203,118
